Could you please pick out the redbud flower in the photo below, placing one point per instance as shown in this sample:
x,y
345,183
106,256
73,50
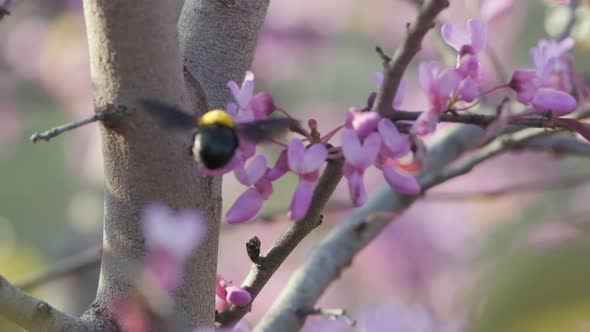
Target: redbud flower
x,y
536,86
243,94
471,41
438,83
177,233
396,145
306,164
226,293
250,202
170,238
358,157
363,122
262,105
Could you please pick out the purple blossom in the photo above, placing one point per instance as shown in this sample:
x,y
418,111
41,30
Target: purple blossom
x,y
471,41
226,294
306,164
177,233
363,122
170,238
359,156
250,202
243,94
546,87
395,145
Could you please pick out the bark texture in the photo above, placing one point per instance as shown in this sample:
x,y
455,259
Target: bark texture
x,y
134,54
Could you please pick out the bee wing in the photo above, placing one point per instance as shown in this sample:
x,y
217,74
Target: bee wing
x,y
167,115
265,130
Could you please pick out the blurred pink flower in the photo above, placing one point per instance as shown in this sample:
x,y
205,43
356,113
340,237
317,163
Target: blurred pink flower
x,y
397,317
306,164
471,41
170,238
538,87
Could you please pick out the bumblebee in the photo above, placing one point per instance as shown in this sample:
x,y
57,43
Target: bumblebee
x,y
216,136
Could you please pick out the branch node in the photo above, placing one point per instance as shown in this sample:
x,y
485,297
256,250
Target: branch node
x,y
42,310
386,58
253,249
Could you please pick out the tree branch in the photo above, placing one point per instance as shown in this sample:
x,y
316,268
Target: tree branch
x,y
337,250
395,69
34,314
481,120
267,265
69,265
100,115
217,42
134,55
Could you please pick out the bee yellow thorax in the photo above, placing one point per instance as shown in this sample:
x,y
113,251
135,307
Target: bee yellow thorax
x,y
217,117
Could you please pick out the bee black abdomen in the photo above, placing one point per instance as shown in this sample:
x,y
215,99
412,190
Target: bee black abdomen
x,y
218,145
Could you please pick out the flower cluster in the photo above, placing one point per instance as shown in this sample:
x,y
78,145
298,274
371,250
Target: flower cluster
x,y
369,139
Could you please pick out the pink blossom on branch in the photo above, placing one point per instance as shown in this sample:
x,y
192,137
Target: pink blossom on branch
x,y
306,164
358,157
226,294
472,41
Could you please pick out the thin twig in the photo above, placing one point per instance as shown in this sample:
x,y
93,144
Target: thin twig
x,y
67,266
482,120
411,45
261,272
98,116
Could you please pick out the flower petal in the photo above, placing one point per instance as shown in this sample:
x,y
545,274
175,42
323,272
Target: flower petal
x,y
245,207
400,93
295,155
315,156
468,90
454,37
301,200
405,184
238,296
351,147
356,189
177,233
550,100
478,34
280,168
395,143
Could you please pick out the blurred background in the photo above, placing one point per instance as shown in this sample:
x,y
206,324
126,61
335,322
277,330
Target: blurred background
x,y
513,262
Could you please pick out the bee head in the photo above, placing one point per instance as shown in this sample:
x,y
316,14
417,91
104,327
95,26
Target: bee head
x,y
217,117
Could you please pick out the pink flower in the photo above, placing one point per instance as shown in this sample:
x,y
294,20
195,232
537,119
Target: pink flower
x,y
471,41
306,164
358,157
250,202
557,102
395,145
243,94
438,83
176,233
226,294
546,87
170,238
363,122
